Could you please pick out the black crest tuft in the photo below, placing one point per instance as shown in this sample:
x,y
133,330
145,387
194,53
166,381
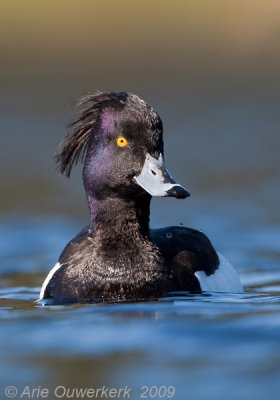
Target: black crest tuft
x,y
74,146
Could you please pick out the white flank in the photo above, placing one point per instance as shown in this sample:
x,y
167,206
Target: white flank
x,y
225,279
48,278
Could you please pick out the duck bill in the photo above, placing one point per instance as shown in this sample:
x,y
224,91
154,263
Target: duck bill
x,y
157,181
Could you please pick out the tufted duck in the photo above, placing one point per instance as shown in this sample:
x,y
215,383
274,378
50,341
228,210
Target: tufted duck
x,y
118,257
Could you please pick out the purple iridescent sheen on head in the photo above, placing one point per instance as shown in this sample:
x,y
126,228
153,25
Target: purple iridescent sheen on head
x,y
97,168
98,164
107,120
111,171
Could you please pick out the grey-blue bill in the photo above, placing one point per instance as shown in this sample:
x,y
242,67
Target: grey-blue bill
x,y
157,181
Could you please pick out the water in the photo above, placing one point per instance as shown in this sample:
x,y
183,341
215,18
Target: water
x,y
203,345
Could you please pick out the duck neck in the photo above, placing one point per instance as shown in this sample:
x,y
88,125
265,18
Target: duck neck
x,y
120,218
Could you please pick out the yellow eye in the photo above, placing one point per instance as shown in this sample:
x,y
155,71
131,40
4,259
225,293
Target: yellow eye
x,y
121,141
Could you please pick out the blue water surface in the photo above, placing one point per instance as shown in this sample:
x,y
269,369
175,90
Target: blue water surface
x,y
213,345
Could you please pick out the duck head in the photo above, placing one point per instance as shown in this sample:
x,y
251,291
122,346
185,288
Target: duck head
x,y
119,137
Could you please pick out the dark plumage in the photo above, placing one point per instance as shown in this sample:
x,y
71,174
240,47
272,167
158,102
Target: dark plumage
x,y
118,137
74,146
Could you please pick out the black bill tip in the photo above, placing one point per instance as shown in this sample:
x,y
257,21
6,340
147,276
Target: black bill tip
x,y
178,191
